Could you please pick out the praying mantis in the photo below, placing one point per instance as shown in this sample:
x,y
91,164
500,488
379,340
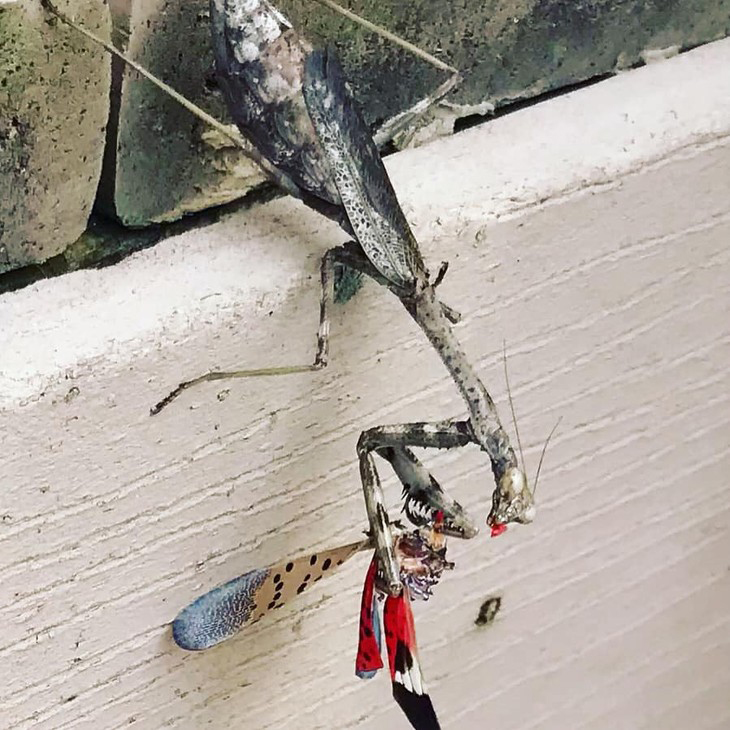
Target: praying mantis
x,y
291,102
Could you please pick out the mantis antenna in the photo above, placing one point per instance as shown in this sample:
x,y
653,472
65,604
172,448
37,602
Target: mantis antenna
x,y
514,421
512,406
415,50
542,455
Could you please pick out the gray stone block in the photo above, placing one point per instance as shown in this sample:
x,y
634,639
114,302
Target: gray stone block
x,y
163,161
509,50
54,100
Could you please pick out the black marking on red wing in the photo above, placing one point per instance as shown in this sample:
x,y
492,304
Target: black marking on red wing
x,y
368,194
368,659
417,708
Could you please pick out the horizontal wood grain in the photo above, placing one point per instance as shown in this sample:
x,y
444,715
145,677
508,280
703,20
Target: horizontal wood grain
x,y
610,284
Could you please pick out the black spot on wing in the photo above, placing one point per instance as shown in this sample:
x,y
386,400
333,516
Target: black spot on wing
x,y
417,708
403,658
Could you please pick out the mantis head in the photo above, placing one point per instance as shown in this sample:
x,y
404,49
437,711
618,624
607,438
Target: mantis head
x,y
512,501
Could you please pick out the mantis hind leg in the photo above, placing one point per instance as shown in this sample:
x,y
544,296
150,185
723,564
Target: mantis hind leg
x,y
401,128
327,297
352,263
347,258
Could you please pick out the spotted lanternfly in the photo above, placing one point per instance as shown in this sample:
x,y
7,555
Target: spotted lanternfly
x,y
409,689
422,559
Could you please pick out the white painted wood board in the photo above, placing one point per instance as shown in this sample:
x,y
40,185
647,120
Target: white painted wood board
x,y
591,232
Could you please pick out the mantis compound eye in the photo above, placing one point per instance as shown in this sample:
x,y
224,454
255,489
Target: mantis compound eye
x,y
529,514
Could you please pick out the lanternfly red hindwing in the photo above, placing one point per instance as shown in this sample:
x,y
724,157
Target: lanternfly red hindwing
x,y
409,689
368,659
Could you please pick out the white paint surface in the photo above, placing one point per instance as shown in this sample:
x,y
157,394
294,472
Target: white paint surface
x,y
591,232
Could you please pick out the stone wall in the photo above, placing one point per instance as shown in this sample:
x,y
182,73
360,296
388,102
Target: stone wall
x,y
161,163
54,106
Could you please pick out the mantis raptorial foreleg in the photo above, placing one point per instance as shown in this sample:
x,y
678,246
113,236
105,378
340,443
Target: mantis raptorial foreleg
x,y
393,440
222,612
379,523
512,501
424,497
430,435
